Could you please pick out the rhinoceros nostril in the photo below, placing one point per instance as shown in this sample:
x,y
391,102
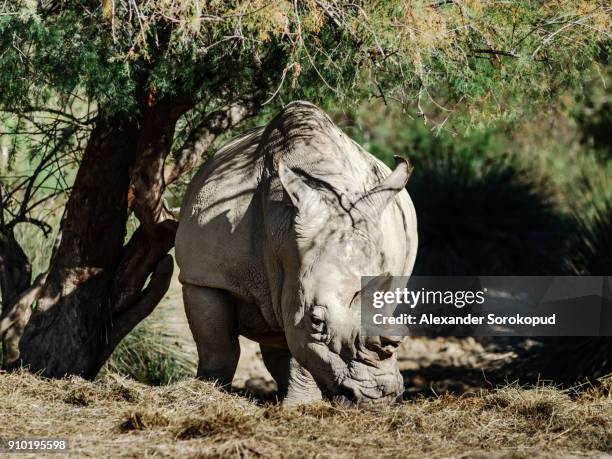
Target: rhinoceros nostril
x,y
393,341
344,396
383,346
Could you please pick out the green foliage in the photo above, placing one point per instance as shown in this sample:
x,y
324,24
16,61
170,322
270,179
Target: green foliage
x,y
591,245
38,160
593,115
512,198
35,243
150,356
386,133
492,57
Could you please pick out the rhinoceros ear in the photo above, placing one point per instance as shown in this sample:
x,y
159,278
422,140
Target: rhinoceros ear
x,y
305,199
298,190
373,202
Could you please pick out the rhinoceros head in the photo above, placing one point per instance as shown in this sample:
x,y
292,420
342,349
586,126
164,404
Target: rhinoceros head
x,y
339,240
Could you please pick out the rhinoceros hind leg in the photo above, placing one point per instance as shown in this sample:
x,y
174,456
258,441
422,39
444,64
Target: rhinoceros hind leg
x,y
295,384
212,319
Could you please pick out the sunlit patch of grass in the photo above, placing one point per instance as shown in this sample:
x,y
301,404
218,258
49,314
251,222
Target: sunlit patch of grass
x,y
152,356
142,420
226,422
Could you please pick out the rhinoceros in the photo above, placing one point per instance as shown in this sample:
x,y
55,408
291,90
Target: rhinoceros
x,y
276,230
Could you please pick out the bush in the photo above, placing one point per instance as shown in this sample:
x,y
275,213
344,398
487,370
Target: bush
x,y
484,217
567,360
593,115
591,244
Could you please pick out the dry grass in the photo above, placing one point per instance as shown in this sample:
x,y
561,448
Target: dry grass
x,y
115,416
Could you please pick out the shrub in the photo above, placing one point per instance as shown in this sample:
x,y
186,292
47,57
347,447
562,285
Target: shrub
x,y
484,217
591,244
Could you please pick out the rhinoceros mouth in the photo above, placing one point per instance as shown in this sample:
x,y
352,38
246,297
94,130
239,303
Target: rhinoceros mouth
x,y
350,392
347,398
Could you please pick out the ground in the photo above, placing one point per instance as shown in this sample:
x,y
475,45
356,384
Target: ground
x,y
118,417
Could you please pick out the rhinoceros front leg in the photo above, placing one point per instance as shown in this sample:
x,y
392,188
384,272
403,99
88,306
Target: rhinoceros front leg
x,y
295,384
212,319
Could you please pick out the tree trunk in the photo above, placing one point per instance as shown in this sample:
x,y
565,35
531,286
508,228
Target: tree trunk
x,y
72,317
15,269
92,295
63,332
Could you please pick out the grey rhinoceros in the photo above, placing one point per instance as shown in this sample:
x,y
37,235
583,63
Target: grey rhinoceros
x,y
276,230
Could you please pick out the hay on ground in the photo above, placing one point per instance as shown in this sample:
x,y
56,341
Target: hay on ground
x,y
118,417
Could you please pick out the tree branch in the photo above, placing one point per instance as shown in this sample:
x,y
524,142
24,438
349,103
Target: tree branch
x,y
141,255
13,325
125,321
1,208
43,226
203,136
67,116
15,269
496,52
147,172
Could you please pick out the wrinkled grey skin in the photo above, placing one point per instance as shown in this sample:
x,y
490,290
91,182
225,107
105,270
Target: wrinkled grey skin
x,y
276,230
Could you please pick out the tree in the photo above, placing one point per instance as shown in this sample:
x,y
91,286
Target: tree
x,y
142,89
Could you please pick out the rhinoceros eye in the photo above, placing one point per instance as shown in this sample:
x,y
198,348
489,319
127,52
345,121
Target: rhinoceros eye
x,y
317,319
